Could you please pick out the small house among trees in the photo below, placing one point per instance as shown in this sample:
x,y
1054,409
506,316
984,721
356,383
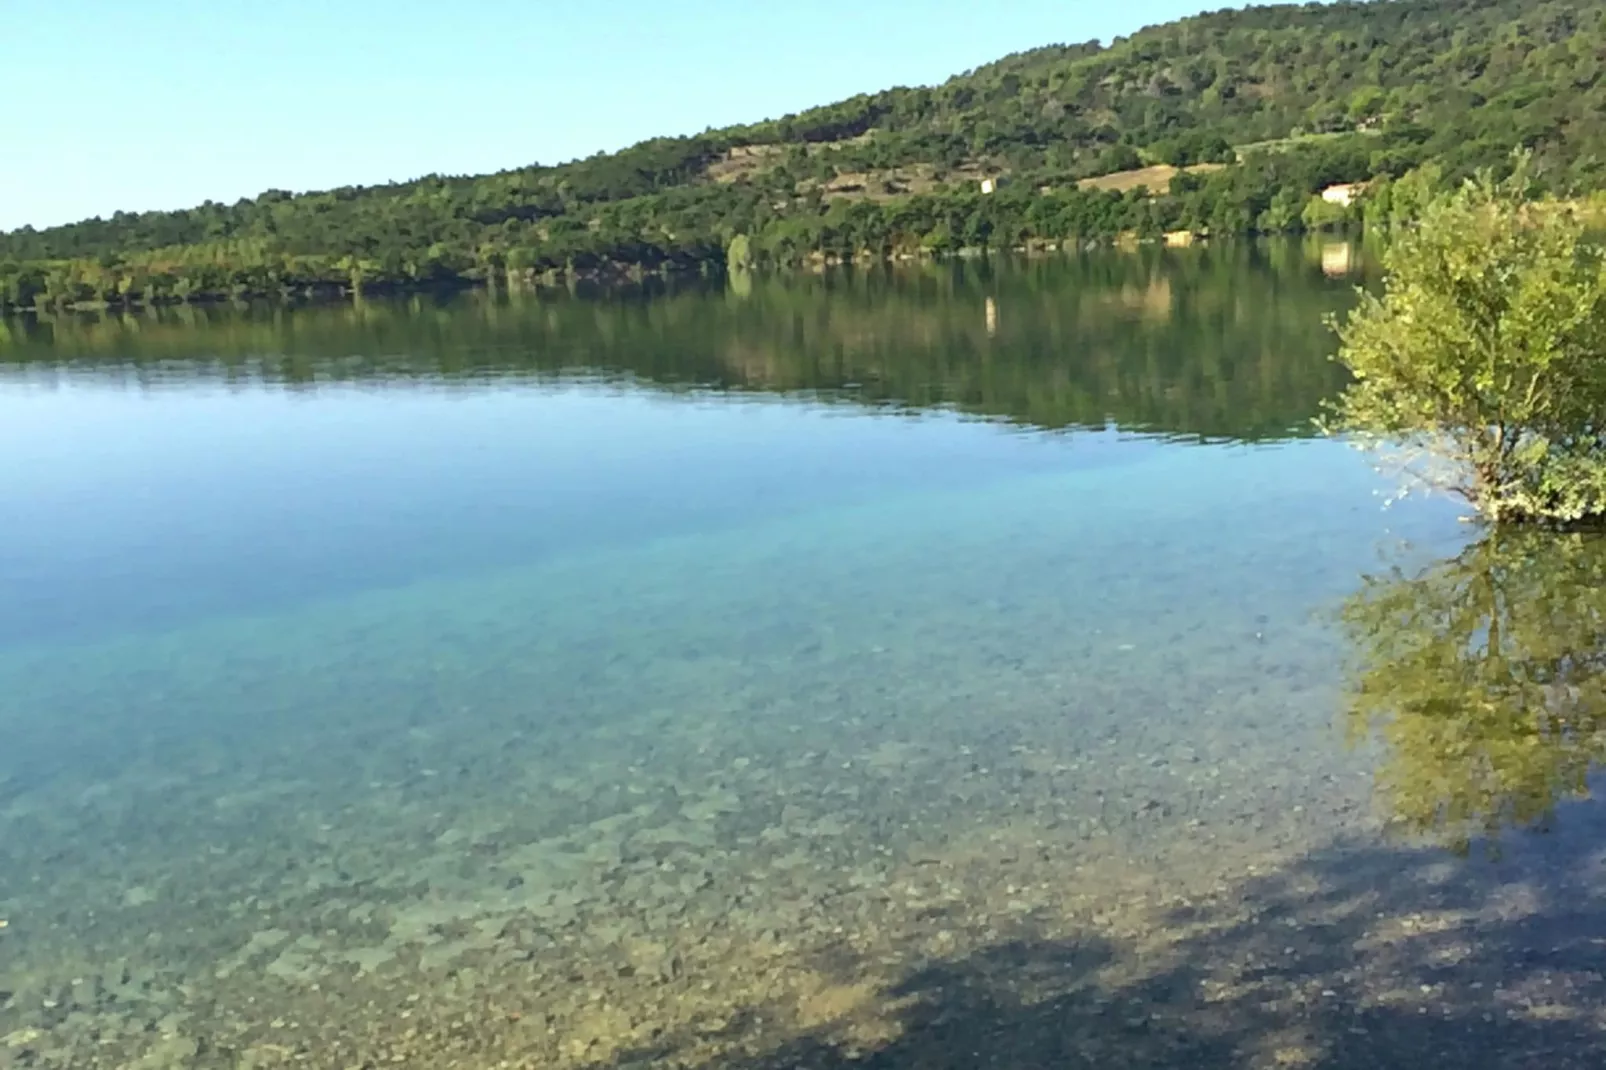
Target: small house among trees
x,y
1344,194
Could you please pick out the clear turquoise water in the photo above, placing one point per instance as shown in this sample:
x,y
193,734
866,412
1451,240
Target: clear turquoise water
x,y
570,720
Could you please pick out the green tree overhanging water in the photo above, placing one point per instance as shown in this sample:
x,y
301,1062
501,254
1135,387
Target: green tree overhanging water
x,y
1481,367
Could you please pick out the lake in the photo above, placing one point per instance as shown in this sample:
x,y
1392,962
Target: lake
x,y
972,665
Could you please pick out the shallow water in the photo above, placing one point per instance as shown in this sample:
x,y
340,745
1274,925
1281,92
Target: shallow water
x,y
832,672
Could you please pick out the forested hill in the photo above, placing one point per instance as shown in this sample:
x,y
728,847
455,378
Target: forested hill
x,y
1230,122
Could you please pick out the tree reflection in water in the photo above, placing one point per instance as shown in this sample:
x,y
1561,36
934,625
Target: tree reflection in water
x,y
1484,677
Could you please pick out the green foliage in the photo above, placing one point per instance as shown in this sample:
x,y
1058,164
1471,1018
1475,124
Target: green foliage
x,y
1319,214
1392,203
1292,98
1194,147
1484,676
739,254
1116,158
1485,358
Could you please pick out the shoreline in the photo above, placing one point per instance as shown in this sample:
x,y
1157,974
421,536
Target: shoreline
x,y
611,281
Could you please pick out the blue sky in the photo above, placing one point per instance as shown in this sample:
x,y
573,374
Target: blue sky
x,y
166,104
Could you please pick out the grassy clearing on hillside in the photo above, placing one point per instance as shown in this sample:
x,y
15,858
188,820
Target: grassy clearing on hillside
x,y
746,161
1157,178
749,161
752,162
1283,144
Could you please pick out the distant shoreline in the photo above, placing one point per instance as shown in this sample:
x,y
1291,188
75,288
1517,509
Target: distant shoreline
x,y
611,281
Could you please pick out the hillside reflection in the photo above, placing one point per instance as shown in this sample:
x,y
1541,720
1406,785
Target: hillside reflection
x,y
1223,343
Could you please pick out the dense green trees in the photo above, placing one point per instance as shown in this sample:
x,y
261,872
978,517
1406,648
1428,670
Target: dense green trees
x,y
1291,98
1484,361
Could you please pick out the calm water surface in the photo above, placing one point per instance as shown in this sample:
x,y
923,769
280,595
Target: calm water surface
x,y
976,666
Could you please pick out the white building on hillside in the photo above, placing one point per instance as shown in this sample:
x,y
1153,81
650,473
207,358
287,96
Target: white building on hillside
x,y
1344,194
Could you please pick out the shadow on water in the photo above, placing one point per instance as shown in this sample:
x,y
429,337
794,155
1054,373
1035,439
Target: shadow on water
x,y
1352,959
1483,677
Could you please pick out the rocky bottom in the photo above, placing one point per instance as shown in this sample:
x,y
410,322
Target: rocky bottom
x,y
924,905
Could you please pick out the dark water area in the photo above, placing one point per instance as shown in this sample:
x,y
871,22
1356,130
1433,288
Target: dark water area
x,y
968,665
